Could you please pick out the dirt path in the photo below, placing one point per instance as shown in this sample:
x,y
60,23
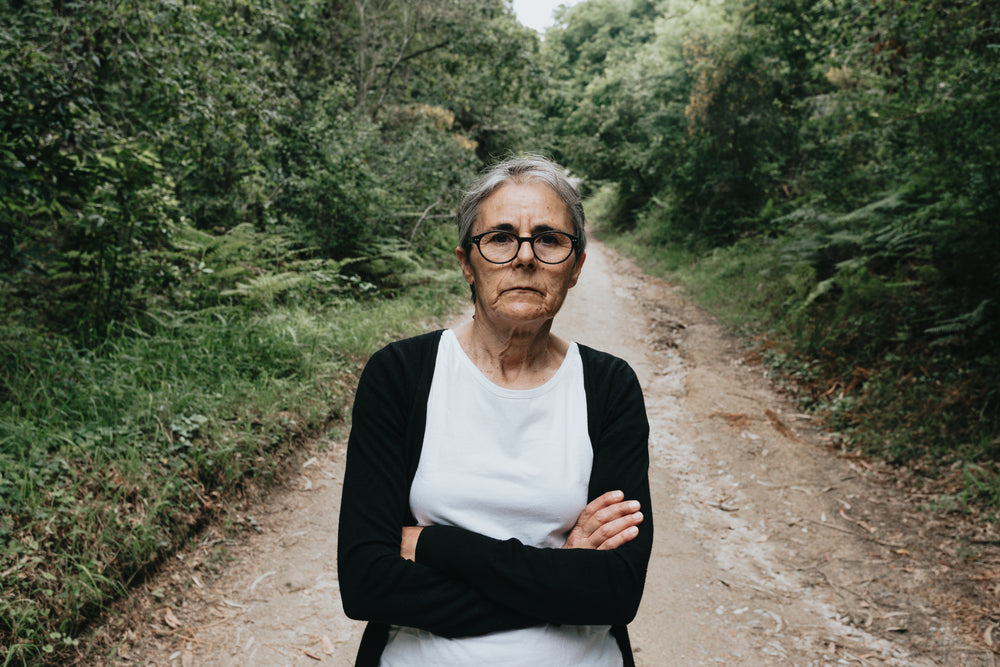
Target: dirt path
x,y
770,548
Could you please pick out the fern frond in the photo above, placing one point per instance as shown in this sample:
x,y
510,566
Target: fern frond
x,y
265,288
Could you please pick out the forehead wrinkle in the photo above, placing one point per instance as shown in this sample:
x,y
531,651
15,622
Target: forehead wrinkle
x,y
540,228
527,209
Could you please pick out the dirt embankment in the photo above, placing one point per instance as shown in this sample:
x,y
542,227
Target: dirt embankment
x,y
772,548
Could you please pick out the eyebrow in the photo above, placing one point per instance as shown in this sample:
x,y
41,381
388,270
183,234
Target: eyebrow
x,y
537,229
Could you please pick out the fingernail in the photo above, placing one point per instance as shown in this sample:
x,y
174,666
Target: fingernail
x,y
637,516
634,505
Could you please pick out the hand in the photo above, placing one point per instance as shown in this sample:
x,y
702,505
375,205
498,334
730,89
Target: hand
x,y
607,522
408,544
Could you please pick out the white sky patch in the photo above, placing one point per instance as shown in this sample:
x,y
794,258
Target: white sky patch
x,y
538,14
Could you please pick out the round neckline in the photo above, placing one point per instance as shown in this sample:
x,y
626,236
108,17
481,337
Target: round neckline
x,y
449,338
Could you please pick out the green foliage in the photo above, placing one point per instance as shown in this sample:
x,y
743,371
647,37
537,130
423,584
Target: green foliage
x,y
210,212
80,198
612,108
335,126
111,457
691,109
834,170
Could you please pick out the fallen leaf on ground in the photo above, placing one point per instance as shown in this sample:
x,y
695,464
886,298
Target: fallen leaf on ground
x,y
734,419
170,619
779,425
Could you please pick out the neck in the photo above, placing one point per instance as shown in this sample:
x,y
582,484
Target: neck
x,y
515,357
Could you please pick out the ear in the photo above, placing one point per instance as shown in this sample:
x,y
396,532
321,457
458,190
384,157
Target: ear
x,y
575,275
463,260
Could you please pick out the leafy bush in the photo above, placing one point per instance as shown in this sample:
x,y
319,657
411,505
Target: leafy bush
x,y
211,213
836,182
111,456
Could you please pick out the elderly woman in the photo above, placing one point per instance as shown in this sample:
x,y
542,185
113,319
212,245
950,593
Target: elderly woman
x,y
496,501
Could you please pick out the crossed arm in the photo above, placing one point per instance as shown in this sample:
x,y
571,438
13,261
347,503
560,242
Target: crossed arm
x,y
607,522
454,582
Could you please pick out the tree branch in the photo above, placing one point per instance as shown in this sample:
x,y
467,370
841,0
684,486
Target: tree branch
x,y
395,66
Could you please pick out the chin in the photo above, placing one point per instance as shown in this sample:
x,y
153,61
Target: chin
x,y
524,311
526,316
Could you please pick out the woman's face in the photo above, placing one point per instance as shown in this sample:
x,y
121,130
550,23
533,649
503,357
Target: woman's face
x,y
522,291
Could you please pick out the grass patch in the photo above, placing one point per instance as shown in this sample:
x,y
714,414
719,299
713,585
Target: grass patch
x,y
111,457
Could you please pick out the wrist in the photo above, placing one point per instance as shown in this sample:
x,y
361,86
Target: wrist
x,y
408,544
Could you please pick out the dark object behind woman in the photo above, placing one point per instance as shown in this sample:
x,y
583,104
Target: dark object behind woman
x,y
496,501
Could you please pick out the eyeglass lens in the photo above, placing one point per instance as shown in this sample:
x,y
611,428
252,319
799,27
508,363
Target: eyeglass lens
x,y
549,247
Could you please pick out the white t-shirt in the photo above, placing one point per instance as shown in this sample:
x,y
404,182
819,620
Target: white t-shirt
x,y
504,463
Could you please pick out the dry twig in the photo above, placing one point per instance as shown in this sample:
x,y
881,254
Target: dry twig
x,y
858,535
779,425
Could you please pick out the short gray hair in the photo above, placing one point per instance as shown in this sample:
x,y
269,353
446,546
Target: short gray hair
x,y
521,169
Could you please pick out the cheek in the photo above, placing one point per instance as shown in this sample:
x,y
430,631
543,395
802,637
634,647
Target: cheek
x,y
568,280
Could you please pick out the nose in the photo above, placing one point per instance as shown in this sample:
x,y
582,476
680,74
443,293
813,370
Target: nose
x,y
525,253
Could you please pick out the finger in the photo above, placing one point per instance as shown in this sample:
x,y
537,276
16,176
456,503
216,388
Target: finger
x,y
609,514
596,505
621,538
602,501
612,512
613,529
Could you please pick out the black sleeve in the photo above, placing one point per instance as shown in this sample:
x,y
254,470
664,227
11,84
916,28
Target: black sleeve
x,y
376,583
570,586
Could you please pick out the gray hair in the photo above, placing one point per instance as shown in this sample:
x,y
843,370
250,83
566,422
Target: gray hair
x,y
519,170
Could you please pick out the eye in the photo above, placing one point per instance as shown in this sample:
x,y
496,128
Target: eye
x,y
549,239
498,239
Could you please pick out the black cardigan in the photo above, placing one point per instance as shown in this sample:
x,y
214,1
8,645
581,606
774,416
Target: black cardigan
x,y
462,583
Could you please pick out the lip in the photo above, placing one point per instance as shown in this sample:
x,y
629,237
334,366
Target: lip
x,y
523,289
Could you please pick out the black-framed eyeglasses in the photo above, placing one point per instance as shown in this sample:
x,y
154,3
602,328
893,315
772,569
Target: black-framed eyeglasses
x,y
499,247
